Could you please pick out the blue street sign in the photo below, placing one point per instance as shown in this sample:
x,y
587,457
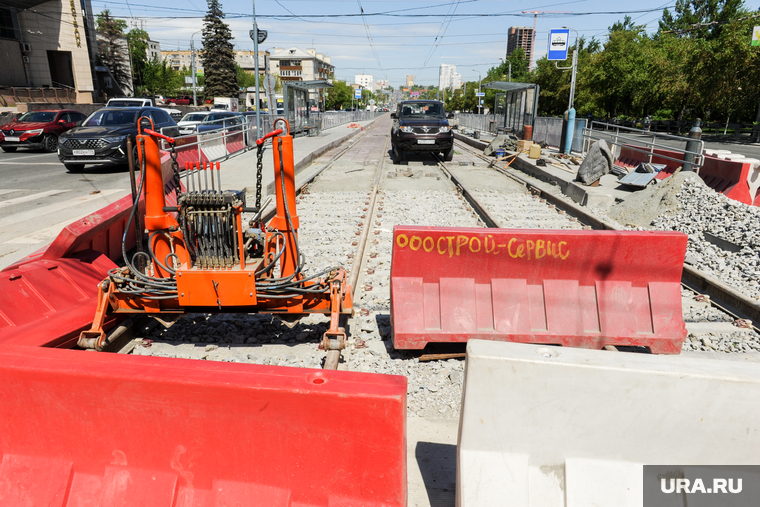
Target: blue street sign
x,y
357,93
558,43
480,94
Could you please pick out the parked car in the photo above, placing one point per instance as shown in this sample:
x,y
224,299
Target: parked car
x,y
188,122
129,102
38,129
102,137
217,120
421,126
184,100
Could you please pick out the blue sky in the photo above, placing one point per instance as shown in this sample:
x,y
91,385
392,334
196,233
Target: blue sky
x,y
414,37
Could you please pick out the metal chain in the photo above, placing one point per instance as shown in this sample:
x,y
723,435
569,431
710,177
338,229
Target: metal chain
x,y
259,171
175,168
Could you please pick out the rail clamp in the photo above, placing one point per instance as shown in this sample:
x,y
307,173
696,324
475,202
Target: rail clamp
x,y
84,428
561,427
573,288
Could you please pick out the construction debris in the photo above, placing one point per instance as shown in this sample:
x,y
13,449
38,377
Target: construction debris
x,y
504,142
597,163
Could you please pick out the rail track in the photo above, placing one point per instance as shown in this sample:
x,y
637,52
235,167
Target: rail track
x,y
722,296
348,210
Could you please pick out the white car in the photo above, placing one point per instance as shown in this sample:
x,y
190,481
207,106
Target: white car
x,y
188,124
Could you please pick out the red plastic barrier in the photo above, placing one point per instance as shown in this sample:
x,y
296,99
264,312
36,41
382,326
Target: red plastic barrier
x,y
574,288
187,151
630,159
95,429
49,302
728,177
235,143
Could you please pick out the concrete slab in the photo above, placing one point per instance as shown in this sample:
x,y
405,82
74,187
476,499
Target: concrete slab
x,y
431,461
546,426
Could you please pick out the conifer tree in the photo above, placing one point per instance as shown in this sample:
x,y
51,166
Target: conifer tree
x,y
218,56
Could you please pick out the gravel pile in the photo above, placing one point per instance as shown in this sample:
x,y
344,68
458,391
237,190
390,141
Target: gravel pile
x,y
736,342
702,210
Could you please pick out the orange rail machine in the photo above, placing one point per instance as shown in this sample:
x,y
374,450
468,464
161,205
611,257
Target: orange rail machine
x,y
200,258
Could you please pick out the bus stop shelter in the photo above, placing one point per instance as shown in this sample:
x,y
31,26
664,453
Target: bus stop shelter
x,y
297,103
518,102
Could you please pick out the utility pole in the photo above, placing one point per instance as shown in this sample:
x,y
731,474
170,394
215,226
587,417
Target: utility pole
x,y
255,37
570,134
192,67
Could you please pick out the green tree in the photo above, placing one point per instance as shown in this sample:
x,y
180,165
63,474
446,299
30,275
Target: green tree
x,y
701,18
138,55
339,96
246,79
111,51
160,79
218,55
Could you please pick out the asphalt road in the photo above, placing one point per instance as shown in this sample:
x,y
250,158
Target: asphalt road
x,y
39,197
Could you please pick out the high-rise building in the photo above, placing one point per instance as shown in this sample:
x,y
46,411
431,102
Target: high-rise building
x,y
409,80
448,77
521,37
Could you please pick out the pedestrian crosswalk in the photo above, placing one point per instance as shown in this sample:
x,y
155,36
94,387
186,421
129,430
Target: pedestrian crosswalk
x,y
29,218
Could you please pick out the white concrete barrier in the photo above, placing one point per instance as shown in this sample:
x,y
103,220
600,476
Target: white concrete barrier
x,y
550,426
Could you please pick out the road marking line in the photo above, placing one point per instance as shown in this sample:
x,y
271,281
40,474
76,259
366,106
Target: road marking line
x,y
32,197
52,208
20,157
46,234
4,191
31,163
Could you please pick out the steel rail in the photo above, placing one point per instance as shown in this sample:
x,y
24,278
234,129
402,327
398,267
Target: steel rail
x,y
333,356
723,296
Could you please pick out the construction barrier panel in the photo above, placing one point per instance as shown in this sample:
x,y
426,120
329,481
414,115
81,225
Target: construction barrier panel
x,y
630,159
574,288
189,151
736,179
50,296
235,142
84,428
558,427
48,302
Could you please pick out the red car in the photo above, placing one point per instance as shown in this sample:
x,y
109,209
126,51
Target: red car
x,y
38,129
184,100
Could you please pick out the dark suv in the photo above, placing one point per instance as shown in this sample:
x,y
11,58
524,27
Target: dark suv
x,y
102,137
421,126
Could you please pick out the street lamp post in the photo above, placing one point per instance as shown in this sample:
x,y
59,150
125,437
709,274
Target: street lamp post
x,y
192,67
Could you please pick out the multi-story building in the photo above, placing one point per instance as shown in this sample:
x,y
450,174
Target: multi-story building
x,y
409,80
48,44
182,59
521,37
247,61
154,50
295,64
366,81
448,77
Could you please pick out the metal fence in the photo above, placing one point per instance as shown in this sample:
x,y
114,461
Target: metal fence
x,y
549,131
232,138
482,122
643,141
